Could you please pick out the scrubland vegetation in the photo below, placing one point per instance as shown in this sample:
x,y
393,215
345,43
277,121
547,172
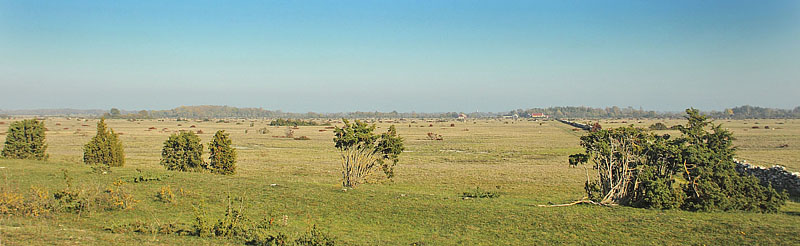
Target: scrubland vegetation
x,y
479,185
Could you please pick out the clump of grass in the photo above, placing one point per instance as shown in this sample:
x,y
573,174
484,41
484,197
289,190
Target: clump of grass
x,y
434,136
166,195
478,193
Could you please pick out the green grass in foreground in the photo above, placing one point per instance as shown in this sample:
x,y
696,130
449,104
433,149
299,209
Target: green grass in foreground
x,y
524,162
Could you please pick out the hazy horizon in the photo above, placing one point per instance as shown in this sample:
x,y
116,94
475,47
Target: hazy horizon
x,y
424,56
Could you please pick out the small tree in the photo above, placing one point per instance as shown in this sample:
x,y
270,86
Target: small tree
x,y
223,156
105,148
25,140
362,151
183,152
616,155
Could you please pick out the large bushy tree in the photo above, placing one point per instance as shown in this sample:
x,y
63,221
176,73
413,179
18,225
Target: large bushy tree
x,y
223,156
362,151
183,152
105,148
25,140
692,172
714,183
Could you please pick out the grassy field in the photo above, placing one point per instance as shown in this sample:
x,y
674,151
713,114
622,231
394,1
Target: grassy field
x,y
525,161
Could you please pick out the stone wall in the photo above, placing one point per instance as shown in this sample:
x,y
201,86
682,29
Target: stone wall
x,y
778,176
575,124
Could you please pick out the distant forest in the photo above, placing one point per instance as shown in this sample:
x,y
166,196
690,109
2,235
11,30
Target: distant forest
x,y
741,112
212,111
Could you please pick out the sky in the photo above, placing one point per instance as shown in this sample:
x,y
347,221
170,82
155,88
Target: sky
x,y
423,56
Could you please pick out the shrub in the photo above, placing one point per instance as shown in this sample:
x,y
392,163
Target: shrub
x,y
658,126
35,203
363,151
166,195
596,127
642,169
223,156
315,237
290,122
288,133
183,152
119,197
105,148
25,140
434,136
714,184
261,238
478,193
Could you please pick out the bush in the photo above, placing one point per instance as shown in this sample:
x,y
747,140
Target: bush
x,y
658,126
363,151
223,156
118,197
315,237
166,195
642,169
183,152
434,136
478,193
25,140
659,193
290,122
714,183
105,148
36,203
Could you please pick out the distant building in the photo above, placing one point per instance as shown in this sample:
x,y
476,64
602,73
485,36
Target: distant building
x,y
515,116
462,117
538,115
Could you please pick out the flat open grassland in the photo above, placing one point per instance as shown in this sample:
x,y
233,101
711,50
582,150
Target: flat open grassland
x,y
525,161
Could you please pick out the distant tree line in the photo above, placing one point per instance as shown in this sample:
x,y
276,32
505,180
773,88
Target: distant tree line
x,y
115,113
752,112
213,111
741,112
589,112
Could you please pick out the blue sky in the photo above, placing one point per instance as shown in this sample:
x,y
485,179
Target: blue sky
x,y
425,56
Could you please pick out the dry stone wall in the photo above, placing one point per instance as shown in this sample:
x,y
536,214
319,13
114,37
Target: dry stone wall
x,y
778,176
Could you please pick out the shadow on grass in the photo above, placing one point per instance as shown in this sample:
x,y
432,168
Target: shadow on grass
x,y
792,213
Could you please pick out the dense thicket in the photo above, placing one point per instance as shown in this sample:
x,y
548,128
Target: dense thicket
x,y
291,122
694,171
362,151
183,152
25,140
105,148
222,158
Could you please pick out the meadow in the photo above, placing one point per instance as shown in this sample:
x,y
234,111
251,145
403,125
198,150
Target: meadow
x,y
298,182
